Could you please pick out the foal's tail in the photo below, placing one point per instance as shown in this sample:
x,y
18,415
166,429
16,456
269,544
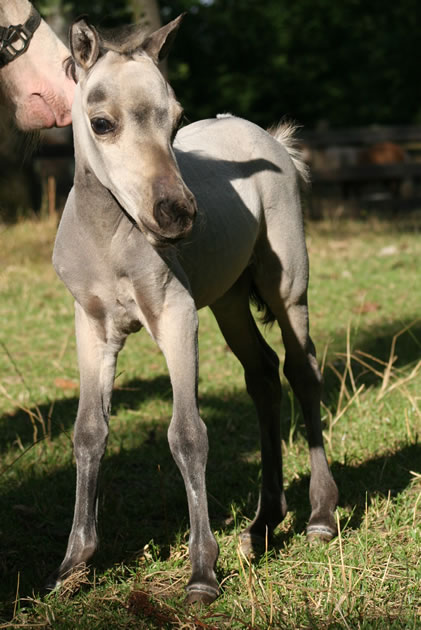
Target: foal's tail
x,y
284,133
266,316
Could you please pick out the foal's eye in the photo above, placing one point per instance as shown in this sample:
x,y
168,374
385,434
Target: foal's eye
x,y
101,126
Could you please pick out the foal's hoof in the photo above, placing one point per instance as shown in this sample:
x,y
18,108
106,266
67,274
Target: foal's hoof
x,y
53,582
320,533
201,594
252,545
71,580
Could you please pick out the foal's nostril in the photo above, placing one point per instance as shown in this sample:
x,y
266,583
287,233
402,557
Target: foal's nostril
x,y
174,216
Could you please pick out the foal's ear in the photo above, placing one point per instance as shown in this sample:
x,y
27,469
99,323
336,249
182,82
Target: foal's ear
x,y
84,44
158,45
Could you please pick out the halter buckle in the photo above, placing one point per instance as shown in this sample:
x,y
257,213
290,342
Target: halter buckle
x,y
14,42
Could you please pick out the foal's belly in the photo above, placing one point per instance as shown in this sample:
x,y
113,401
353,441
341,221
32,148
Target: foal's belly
x,y
224,175
220,248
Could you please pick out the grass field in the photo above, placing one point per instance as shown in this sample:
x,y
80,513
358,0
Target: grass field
x,y
365,298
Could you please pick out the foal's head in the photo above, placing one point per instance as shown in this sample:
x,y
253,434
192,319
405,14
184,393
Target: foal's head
x,y
125,117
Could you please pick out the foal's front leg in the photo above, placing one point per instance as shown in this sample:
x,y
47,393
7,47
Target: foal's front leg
x,y
97,361
187,436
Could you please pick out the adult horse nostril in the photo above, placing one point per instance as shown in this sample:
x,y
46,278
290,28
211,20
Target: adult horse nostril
x,y
174,216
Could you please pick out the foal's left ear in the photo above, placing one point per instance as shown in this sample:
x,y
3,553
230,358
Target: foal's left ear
x,y
158,45
84,44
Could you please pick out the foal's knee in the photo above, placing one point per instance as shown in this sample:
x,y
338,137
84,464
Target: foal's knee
x,y
91,433
188,440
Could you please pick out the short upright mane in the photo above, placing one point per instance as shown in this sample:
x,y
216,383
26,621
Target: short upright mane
x,y
123,39
120,39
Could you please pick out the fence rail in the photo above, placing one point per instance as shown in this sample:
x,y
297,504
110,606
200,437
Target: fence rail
x,y
350,180
367,173
396,185
361,136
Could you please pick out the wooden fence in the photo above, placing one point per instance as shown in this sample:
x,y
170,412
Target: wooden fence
x,y
336,173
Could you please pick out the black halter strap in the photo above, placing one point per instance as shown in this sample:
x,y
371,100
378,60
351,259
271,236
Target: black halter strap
x,y
14,40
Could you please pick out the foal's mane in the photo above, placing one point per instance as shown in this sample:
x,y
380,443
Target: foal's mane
x,y
124,40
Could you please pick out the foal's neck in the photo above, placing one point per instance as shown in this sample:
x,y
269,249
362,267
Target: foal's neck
x,y
97,210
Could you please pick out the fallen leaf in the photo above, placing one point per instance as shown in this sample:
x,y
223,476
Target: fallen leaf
x,y
65,383
367,307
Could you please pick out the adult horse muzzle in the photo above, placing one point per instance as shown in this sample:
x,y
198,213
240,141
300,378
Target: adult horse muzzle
x,y
15,39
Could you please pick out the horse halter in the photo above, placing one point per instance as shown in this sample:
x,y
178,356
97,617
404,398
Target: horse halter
x,y
14,40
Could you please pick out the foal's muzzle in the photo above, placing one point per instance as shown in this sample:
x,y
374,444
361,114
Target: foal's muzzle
x,y
174,217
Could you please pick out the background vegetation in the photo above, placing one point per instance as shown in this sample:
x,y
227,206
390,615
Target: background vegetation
x,y
343,63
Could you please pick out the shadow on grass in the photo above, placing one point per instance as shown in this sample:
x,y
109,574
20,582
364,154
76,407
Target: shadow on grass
x,y
142,496
375,341
359,484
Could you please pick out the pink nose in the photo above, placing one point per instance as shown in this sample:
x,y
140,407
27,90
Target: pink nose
x,y
64,117
64,120
39,111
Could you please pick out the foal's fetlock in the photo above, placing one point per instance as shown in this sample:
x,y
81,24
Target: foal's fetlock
x,y
53,582
320,534
322,525
321,528
251,545
258,536
254,540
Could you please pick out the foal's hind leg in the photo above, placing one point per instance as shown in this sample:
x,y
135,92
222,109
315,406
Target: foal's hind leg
x,y
288,302
261,371
97,360
303,373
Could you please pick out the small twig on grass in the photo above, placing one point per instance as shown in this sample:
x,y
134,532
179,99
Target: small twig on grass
x,y
349,359
356,358
248,580
17,596
323,361
343,391
414,519
268,581
28,448
392,358
385,570
344,582
401,382
334,420
33,416
21,625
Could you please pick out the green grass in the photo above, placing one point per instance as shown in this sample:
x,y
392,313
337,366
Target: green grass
x,y
364,297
